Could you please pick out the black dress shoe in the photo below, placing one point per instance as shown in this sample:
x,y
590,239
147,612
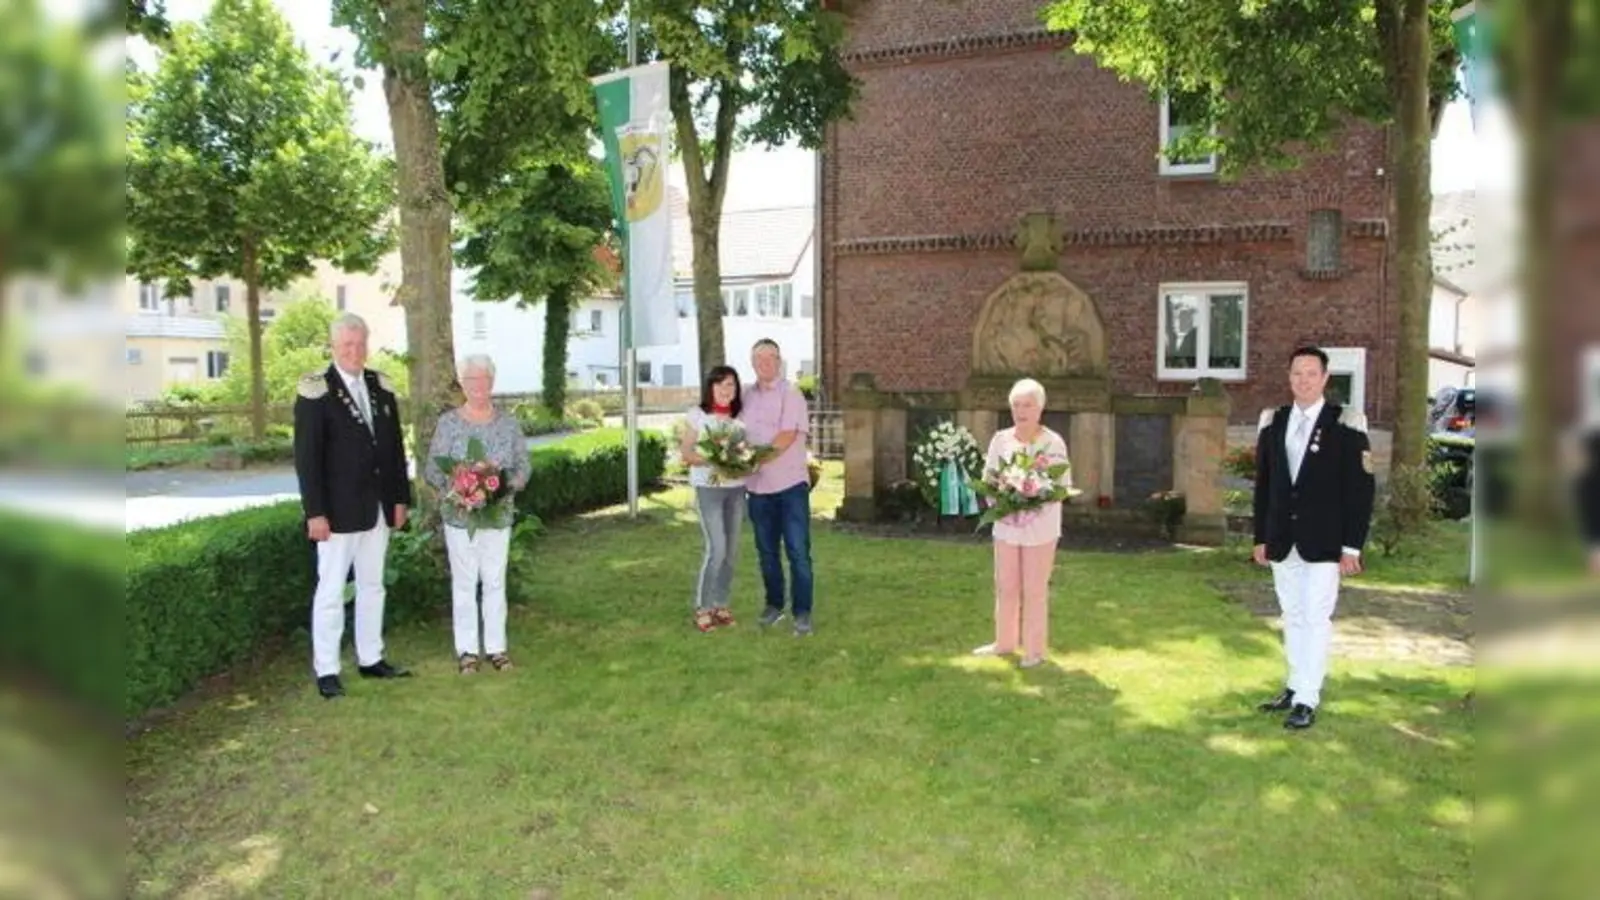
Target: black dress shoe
x,y
1302,716
1279,703
330,687
382,669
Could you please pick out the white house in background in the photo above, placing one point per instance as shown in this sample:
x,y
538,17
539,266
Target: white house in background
x,y
1455,307
514,337
768,291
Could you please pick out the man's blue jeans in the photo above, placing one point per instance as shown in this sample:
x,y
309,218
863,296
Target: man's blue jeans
x,y
784,516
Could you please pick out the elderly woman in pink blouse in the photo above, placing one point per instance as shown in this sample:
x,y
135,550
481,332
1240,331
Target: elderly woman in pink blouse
x,y
1024,550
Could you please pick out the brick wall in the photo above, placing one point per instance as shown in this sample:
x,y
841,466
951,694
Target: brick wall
x,y
971,116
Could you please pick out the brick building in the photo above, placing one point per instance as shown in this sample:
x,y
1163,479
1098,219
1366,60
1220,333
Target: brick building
x,y
972,115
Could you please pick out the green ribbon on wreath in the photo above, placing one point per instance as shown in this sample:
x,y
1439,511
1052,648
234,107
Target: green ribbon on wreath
x,y
956,497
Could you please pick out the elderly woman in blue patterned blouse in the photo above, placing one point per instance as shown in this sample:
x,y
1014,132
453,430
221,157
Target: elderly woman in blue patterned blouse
x,y
479,557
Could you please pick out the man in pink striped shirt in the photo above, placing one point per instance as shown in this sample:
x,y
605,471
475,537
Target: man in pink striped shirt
x,y
780,490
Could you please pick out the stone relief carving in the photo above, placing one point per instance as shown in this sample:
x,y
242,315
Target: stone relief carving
x,y
1039,324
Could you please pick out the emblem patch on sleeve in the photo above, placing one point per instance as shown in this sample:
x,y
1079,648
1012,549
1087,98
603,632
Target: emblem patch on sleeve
x,y
1366,461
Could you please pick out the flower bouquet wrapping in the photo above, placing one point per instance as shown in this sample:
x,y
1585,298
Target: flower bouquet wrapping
x,y
475,486
1022,485
729,452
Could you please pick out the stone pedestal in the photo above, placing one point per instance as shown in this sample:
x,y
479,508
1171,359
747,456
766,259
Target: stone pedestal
x,y
1200,439
1092,446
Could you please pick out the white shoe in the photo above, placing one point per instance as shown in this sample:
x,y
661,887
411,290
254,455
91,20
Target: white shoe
x,y
1032,662
986,650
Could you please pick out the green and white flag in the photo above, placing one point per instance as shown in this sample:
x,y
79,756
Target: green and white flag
x,y
635,122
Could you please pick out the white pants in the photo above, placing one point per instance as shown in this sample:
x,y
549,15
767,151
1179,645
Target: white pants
x,y
365,549
1307,594
475,559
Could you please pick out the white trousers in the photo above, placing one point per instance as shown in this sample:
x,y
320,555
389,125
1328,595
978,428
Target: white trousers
x,y
1307,594
364,549
480,558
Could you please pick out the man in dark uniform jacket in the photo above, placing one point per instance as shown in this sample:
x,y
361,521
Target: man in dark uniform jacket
x,y
349,454
1313,507
1589,496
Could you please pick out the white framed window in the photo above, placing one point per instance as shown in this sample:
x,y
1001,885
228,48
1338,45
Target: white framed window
x,y
685,303
774,301
341,298
224,298
1181,114
267,315
672,376
739,302
1347,376
597,321
808,306
480,325
216,363
150,297
1202,331
135,356
644,371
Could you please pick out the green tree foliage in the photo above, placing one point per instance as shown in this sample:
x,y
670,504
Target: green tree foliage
x,y
534,207
1273,81
60,161
760,71
242,162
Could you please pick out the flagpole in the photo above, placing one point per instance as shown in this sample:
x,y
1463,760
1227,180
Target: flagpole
x,y
630,354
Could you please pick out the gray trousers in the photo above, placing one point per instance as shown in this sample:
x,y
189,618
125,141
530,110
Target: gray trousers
x,y
721,521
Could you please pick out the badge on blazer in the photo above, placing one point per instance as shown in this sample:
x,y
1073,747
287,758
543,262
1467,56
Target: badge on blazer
x,y
1316,440
1366,461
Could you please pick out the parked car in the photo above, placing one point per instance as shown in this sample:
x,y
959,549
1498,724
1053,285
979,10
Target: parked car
x,y
1453,411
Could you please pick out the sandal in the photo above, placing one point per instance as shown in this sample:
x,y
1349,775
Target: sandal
x,y
467,663
722,617
703,620
500,661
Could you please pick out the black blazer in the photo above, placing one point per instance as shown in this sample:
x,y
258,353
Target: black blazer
x,y
346,471
1329,507
1589,489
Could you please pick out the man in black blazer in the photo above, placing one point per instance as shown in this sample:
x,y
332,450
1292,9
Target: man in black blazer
x,y
349,454
1313,506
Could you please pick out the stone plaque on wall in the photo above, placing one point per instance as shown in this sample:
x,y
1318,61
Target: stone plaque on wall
x,y
1144,457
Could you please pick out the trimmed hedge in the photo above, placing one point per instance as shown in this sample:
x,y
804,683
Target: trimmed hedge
x,y
59,586
589,471
207,594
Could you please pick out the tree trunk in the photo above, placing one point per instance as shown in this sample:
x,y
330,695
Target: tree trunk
x,y
706,191
1411,56
557,327
252,324
425,252
707,230
1541,61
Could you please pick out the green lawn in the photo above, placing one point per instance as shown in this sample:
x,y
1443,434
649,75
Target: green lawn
x,y
632,756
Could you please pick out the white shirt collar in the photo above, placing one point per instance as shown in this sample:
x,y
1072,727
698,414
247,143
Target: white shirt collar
x,y
353,382
1313,411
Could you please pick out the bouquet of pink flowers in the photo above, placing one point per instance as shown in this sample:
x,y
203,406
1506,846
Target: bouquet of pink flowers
x,y
729,453
475,486
1022,485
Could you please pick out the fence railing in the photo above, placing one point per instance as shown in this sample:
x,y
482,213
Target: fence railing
x,y
160,424
827,433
